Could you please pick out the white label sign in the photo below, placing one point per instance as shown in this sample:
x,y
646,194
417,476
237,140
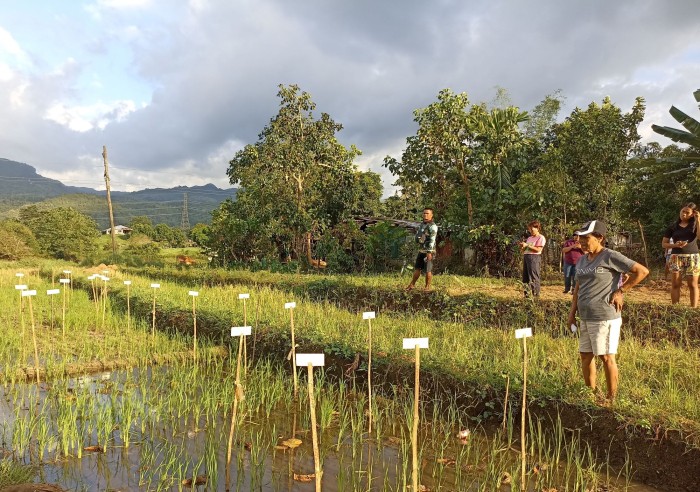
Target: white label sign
x,y
155,286
52,292
104,278
63,280
19,275
244,296
193,293
93,276
127,282
20,287
290,305
27,293
316,360
523,333
369,315
412,343
240,331
67,272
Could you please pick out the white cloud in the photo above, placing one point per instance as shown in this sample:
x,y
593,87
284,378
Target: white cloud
x,y
86,118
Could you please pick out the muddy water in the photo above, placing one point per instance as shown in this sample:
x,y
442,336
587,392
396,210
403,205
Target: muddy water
x,y
164,452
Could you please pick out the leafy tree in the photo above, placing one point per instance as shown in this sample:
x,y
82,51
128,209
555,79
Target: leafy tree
x,y
654,192
199,234
284,177
593,147
141,224
440,153
462,155
16,241
368,191
63,233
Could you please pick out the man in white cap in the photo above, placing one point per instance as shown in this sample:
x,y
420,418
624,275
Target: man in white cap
x,y
602,277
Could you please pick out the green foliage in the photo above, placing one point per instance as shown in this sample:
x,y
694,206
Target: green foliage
x,y
16,241
284,179
655,190
63,233
199,234
387,247
13,473
142,225
463,157
691,134
592,148
146,254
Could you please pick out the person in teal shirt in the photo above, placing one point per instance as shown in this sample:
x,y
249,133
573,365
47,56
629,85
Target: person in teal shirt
x,y
426,237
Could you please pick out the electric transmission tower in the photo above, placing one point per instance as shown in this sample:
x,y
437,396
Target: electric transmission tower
x,y
185,222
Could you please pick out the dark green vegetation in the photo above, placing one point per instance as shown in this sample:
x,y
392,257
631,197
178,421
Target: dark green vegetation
x,y
486,169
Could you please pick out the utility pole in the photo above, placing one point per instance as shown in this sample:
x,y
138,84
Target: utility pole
x,y
109,202
185,222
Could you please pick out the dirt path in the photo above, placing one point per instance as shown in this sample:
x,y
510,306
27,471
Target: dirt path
x,y
654,291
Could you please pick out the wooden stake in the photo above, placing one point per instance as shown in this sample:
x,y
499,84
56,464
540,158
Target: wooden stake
x,y
314,434
36,348
523,333
505,402
234,413
194,321
414,431
291,306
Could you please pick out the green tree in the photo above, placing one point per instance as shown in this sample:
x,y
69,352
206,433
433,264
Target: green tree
x,y
286,174
367,194
199,234
141,224
440,153
594,146
16,241
63,233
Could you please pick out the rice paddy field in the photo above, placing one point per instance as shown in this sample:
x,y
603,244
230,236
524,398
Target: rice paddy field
x,y
140,386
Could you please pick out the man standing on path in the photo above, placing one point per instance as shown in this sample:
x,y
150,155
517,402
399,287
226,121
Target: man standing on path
x,y
426,237
598,298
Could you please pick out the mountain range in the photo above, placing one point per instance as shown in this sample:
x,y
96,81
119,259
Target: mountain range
x,y
21,185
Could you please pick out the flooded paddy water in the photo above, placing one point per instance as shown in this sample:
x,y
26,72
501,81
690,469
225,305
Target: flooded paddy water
x,y
163,428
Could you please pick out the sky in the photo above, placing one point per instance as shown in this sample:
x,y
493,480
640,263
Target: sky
x,y
174,88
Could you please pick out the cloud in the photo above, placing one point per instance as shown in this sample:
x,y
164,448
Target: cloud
x,y
213,67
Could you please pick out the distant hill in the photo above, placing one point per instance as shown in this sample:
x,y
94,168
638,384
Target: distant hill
x,y
20,185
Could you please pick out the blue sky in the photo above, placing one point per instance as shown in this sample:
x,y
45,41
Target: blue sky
x,y
174,88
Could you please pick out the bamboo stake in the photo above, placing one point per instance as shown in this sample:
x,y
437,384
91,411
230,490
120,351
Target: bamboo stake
x,y
414,431
369,316
194,295
30,293
415,344
234,412
505,402
523,333
314,433
291,306
153,313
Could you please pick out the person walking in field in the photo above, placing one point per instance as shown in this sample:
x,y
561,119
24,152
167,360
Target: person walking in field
x,y
426,237
572,252
531,249
598,298
684,261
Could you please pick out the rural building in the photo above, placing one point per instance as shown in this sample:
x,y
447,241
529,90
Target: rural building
x,y
119,230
